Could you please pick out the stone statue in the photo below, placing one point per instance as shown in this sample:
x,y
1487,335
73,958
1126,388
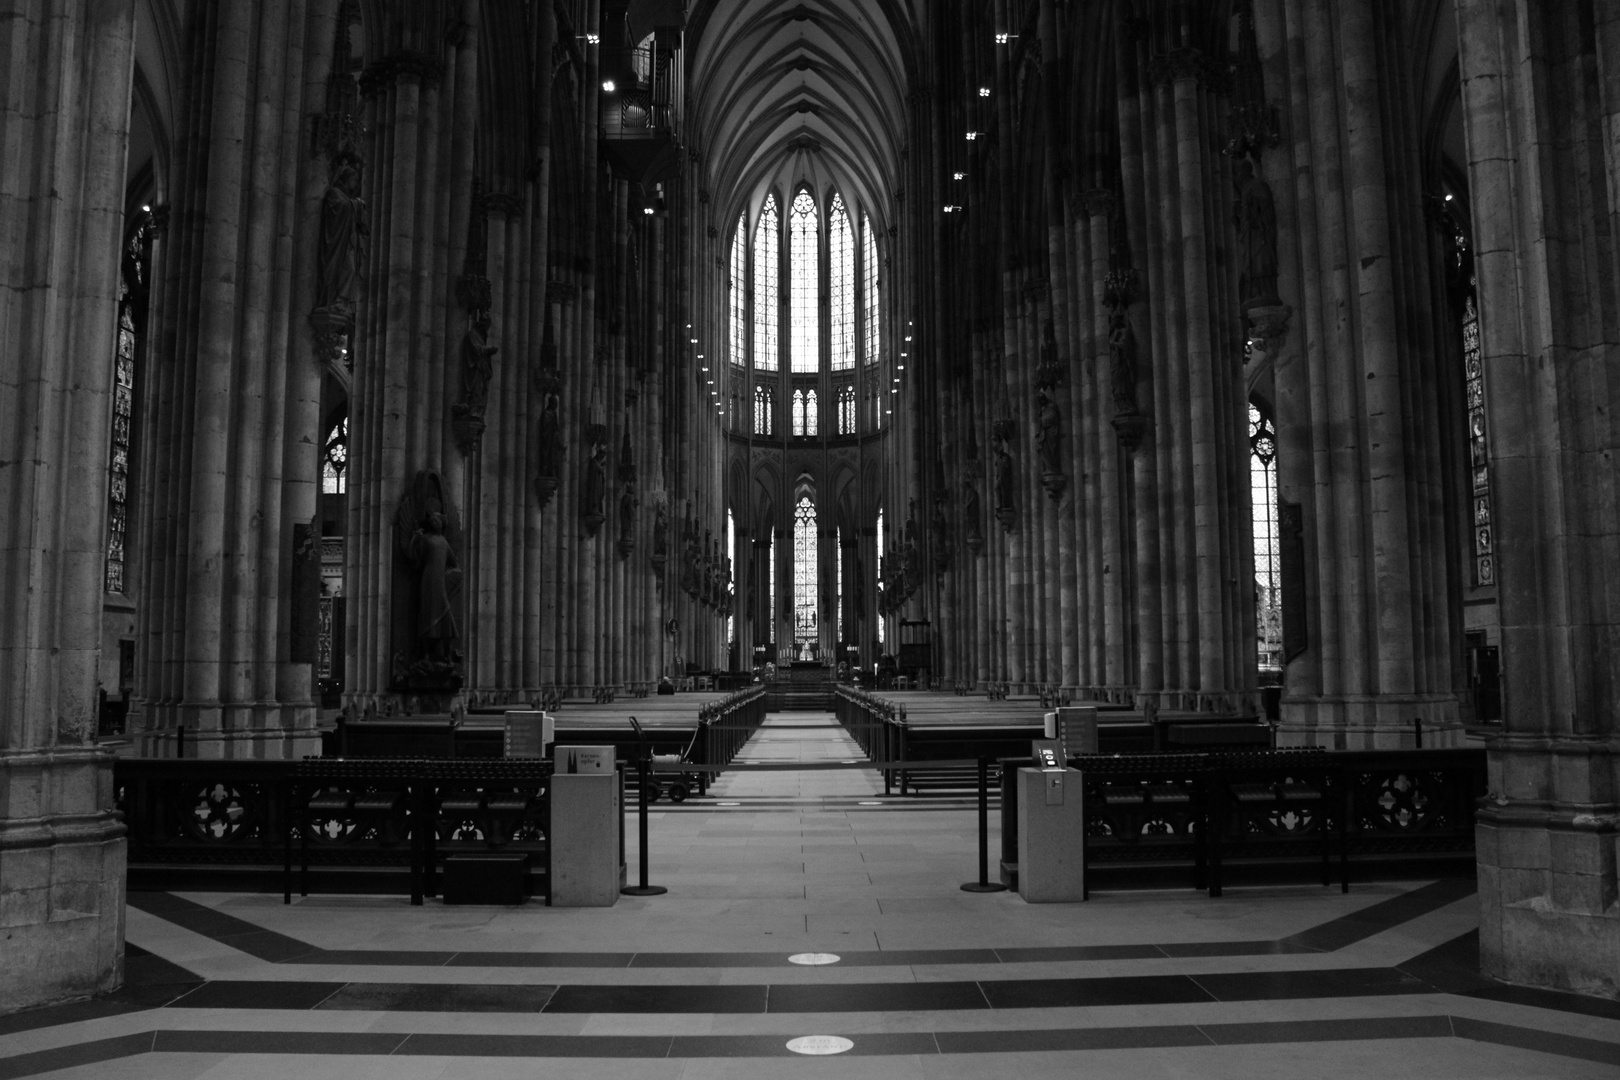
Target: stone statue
x,y
1122,353
550,446
660,532
1006,494
344,228
439,578
594,506
1048,436
1255,213
477,366
627,510
972,519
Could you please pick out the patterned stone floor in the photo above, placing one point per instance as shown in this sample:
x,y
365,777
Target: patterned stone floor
x,y
929,981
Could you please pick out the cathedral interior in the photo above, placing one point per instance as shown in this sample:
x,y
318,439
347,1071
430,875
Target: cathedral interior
x,y
1244,369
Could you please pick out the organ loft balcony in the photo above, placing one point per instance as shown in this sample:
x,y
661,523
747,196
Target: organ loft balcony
x,y
640,105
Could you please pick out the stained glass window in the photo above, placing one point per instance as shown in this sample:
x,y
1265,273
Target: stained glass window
x,y
767,314
804,411
805,267
804,571
1263,505
846,410
123,416
1479,466
764,407
335,459
841,281
739,293
869,261
731,560
880,569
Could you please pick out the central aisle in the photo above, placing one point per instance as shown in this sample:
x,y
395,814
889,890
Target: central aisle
x,y
799,737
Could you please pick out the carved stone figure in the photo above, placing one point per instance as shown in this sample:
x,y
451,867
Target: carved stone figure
x,y
1122,354
438,581
1048,436
344,228
660,542
1006,492
593,506
477,366
627,512
551,448
1255,212
972,518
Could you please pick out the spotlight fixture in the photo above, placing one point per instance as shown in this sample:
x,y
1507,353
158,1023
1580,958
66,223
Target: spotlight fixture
x,y
984,91
608,87
146,208
647,210
959,176
694,341
1003,37
949,209
972,136
593,39
1449,197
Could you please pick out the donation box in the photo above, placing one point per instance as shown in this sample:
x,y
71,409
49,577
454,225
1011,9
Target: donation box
x,y
585,855
1051,831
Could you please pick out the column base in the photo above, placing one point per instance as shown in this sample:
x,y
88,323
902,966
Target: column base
x,y
62,871
1370,722
1548,838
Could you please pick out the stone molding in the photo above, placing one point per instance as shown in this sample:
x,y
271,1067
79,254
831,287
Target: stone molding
x,y
1190,63
402,65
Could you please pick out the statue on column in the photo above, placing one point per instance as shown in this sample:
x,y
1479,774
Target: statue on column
x,y
477,368
427,585
593,503
1255,213
1049,440
972,518
344,228
549,445
1005,486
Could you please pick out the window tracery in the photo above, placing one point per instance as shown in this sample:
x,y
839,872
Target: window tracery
x,y
1267,555
841,285
805,408
871,312
739,295
805,622
804,267
767,314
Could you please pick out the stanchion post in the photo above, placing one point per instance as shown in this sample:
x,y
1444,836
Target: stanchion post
x,y
984,884
643,779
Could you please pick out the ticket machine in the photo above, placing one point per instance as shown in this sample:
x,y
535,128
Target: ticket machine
x,y
1051,828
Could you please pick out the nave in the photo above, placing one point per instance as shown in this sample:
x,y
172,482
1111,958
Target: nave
x,y
929,981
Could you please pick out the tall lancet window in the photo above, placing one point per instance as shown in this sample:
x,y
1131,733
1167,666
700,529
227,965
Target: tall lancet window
x,y
739,292
1267,557
846,410
731,562
838,582
804,411
805,267
880,567
764,407
804,570
871,313
118,463
767,314
841,279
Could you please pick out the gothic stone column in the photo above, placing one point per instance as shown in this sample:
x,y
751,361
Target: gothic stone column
x,y
61,216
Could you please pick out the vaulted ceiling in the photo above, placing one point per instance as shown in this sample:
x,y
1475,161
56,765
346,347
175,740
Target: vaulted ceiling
x,y
813,92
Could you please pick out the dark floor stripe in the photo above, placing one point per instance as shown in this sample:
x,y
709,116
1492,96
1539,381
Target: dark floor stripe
x,y
67,1057
439,997
886,1043
1546,1042
806,998
1375,919
279,948
226,929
